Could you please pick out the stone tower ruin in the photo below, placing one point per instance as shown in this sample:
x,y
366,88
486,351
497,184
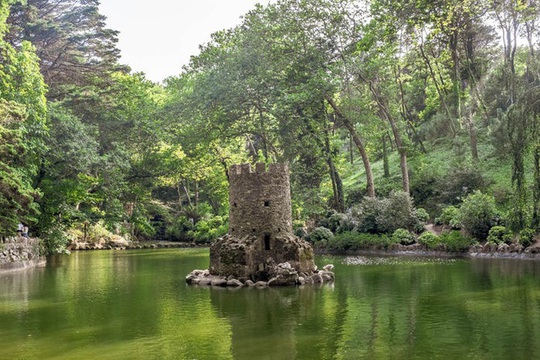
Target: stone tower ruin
x,y
260,202
260,226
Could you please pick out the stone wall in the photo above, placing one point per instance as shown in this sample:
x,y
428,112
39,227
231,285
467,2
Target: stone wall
x,y
260,201
260,245
246,258
20,253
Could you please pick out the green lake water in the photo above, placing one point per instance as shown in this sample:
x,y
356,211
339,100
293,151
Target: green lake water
x,y
136,305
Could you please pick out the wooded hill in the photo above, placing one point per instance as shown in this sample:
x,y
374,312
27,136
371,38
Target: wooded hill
x,y
363,99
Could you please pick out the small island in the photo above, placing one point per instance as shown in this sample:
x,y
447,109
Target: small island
x,y
260,248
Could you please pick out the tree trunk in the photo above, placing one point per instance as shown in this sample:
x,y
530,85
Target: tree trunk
x,y
186,190
384,112
472,134
370,187
179,193
536,190
196,193
386,166
456,77
337,184
439,88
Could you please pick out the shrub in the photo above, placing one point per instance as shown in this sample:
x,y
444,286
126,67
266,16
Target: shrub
x,y
429,239
179,228
499,234
375,215
55,240
424,185
526,237
397,212
320,234
209,229
403,236
368,213
331,220
337,222
477,214
421,217
455,241
352,240
459,183
346,223
449,216
98,231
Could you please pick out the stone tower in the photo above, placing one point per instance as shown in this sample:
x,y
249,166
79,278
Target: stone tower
x,y
260,227
260,201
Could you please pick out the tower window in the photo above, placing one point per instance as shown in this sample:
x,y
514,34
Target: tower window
x,y
234,204
267,203
266,241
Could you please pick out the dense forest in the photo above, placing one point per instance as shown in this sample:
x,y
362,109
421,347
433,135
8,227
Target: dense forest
x,y
390,114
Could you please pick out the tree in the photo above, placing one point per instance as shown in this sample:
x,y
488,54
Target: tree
x,y
22,128
72,42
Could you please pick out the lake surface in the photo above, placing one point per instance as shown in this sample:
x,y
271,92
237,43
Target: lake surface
x,y
136,305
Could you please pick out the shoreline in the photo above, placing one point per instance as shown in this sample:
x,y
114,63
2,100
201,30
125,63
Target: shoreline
x,y
475,252
486,252
135,246
22,265
20,253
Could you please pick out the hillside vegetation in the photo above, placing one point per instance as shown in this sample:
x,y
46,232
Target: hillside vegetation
x,y
390,115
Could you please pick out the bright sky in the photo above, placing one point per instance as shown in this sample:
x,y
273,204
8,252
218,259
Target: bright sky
x,y
158,37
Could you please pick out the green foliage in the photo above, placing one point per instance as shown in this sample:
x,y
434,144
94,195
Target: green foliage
x,y
397,212
478,214
526,237
142,226
209,229
499,234
455,241
178,228
320,235
386,215
421,215
22,128
292,83
403,236
336,222
74,45
421,218
458,184
97,232
368,214
55,240
353,240
449,216
429,239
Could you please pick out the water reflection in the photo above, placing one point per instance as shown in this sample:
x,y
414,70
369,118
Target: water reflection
x,y
268,323
136,305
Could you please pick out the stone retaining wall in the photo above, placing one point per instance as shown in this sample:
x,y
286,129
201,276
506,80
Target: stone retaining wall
x,y
83,246
503,251
17,253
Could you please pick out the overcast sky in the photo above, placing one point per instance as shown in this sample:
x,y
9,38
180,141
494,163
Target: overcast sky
x,y
158,37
